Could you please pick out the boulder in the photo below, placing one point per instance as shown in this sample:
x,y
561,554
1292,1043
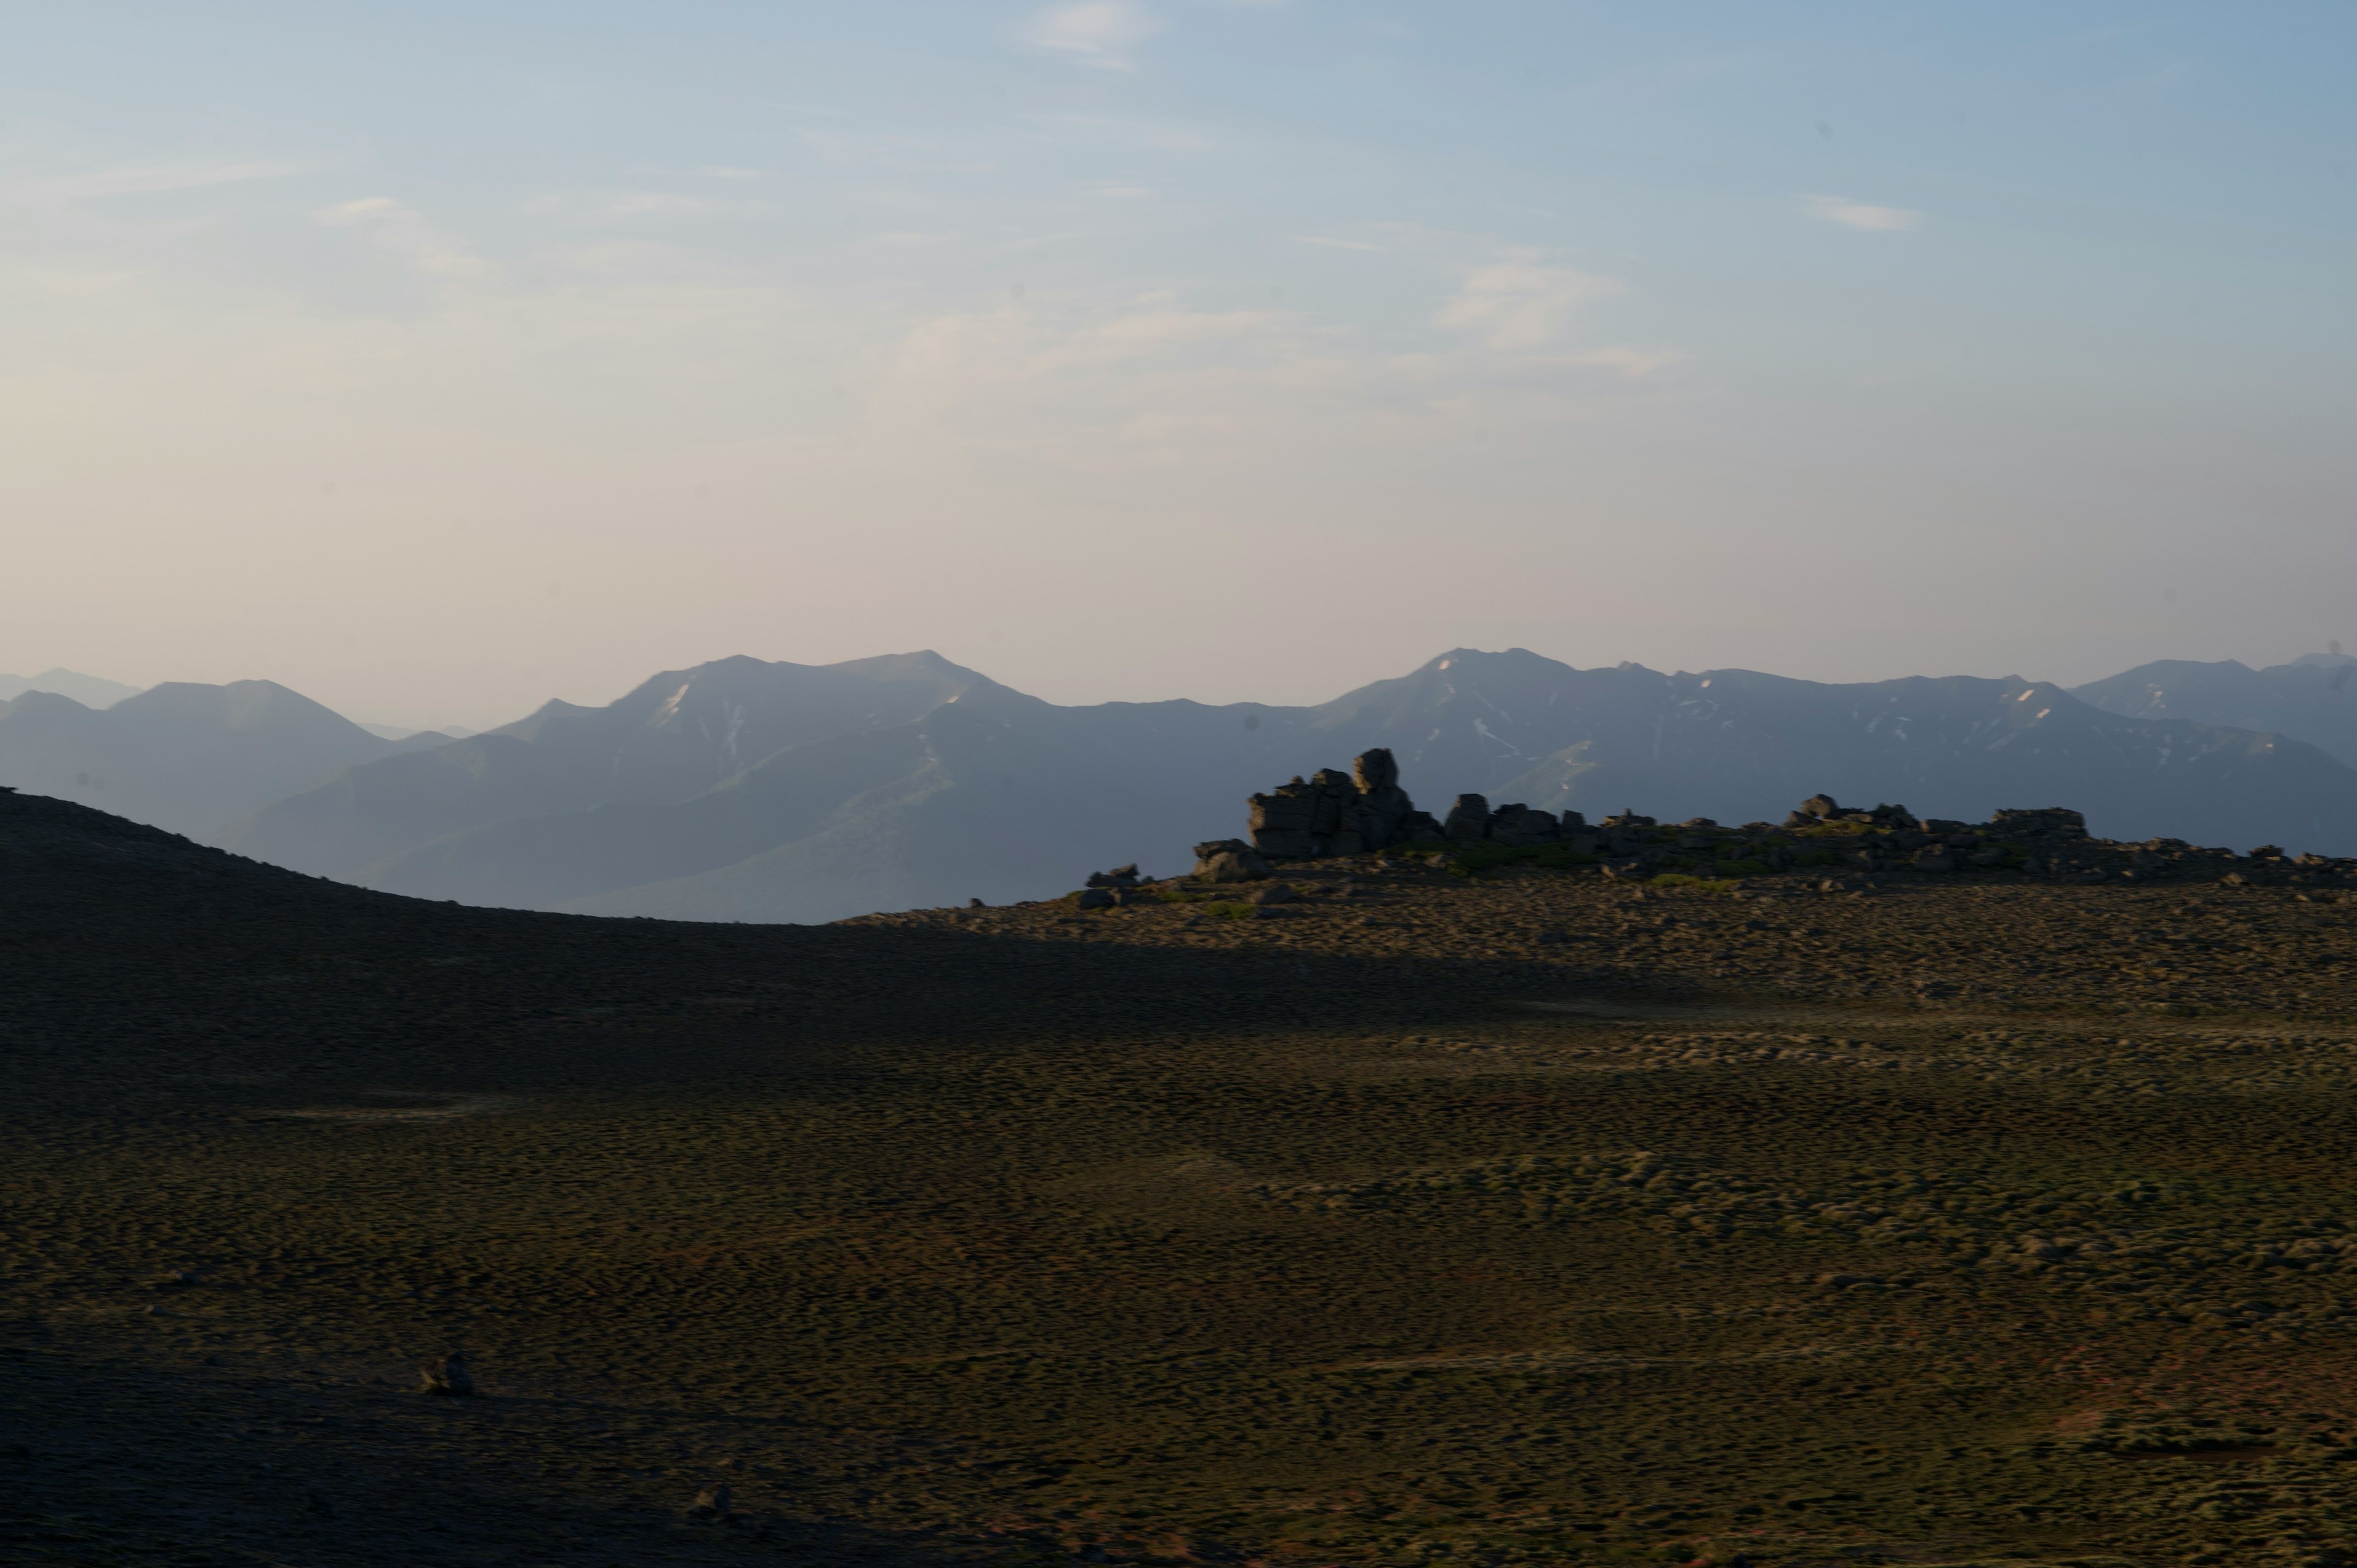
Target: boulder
x,y
1417,827
1383,814
1469,820
1229,860
1517,825
1275,893
1095,899
1935,857
714,1503
450,1379
1308,818
1119,877
1281,820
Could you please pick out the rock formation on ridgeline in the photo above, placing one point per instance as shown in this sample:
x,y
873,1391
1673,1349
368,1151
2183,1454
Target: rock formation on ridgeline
x,y
1331,815
1334,813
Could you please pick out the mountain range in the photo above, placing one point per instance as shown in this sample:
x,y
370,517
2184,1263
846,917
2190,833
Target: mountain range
x,y
89,690
183,756
745,790
2309,699
741,789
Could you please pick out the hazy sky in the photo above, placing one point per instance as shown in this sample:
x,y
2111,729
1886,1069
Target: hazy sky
x,y
437,358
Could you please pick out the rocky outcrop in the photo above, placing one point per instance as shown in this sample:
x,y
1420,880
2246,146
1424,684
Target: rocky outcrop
x,y
1333,813
1824,808
1386,816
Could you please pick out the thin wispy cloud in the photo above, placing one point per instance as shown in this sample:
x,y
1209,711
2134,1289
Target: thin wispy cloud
x,y
142,179
1859,215
1634,363
622,206
396,227
1520,305
1102,34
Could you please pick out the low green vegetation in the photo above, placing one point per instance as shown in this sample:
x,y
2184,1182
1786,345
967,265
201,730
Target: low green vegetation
x,y
1837,829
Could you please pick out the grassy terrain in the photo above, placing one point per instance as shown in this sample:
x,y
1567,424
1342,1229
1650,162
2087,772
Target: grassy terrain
x,y
1517,1220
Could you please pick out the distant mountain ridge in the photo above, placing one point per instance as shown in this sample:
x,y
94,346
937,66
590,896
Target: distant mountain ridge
x,y
2312,699
741,789
185,757
671,737
89,690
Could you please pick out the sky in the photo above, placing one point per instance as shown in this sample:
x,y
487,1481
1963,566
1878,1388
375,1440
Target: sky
x,y
438,359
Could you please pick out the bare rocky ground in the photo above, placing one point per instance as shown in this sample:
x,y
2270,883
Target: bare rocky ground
x,y
1521,1217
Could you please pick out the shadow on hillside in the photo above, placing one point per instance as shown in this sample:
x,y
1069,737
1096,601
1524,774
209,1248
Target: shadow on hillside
x,y
114,1461
125,974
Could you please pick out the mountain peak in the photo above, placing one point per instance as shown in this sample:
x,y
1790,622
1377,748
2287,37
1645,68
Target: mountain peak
x,y
89,690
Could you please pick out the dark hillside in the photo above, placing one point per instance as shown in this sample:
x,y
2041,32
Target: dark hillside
x,y
1510,1216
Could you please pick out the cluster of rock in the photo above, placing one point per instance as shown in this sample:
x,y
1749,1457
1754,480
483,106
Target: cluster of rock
x,y
1334,814
1331,813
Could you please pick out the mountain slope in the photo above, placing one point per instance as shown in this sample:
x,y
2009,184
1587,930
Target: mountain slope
x,y
89,690
1002,801
2312,699
183,756
673,737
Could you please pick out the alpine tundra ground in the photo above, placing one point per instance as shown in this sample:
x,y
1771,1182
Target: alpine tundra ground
x,y
1513,1218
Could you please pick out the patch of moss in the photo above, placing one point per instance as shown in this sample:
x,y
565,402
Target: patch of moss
x,y
1838,830
1680,879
